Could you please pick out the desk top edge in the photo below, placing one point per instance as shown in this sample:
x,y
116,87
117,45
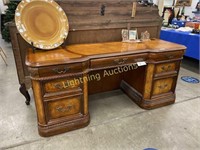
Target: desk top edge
x,y
83,52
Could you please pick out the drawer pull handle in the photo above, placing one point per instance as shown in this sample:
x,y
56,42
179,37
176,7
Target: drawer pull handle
x,y
162,86
121,62
59,71
64,108
58,86
166,68
64,85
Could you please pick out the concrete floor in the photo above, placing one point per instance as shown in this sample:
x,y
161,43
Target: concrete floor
x,y
116,122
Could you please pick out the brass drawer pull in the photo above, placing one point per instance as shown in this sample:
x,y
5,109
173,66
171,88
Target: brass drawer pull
x,y
64,108
163,86
59,71
64,85
120,62
58,86
166,68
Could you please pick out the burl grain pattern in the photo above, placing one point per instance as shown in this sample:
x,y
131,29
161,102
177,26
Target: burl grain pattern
x,y
74,53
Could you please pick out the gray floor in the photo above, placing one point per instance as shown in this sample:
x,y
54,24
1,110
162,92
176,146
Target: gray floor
x,y
116,122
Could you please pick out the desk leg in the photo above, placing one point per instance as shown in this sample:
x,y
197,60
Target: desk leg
x,y
23,91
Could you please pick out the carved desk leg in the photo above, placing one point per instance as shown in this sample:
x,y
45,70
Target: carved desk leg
x,y
23,90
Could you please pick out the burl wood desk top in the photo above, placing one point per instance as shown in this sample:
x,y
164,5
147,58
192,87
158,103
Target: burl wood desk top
x,y
83,52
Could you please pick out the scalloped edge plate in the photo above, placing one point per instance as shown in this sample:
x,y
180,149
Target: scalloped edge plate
x,y
26,29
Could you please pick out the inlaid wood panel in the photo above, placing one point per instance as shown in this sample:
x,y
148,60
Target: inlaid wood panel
x,y
64,84
72,53
165,67
162,86
64,107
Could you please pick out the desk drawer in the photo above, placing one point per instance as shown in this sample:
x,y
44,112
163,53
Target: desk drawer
x,y
63,84
162,86
166,55
116,61
64,107
60,70
165,67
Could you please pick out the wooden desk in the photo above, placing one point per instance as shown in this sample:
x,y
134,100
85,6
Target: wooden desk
x,y
88,25
62,79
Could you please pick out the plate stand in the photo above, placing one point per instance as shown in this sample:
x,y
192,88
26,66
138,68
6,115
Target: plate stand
x,y
64,44
33,48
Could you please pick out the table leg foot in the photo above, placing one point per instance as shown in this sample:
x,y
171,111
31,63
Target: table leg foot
x,y
24,92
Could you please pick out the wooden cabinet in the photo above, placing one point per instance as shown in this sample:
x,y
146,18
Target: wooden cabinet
x,y
61,103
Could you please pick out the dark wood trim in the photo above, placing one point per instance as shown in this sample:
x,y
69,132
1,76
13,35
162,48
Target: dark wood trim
x,y
24,92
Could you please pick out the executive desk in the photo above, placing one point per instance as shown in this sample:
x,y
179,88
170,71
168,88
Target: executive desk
x,y
63,78
190,40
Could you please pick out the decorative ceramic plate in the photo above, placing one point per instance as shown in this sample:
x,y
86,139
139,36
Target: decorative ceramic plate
x,y
42,23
